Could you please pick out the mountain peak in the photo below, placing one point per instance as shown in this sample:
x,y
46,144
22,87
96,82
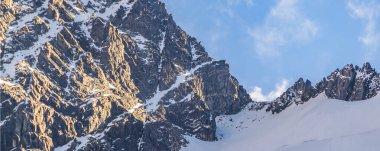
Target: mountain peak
x,y
122,75
349,84
297,94
367,69
97,73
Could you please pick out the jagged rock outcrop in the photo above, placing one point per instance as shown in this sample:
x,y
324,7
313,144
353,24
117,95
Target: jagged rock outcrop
x,y
299,93
352,83
7,12
106,75
121,75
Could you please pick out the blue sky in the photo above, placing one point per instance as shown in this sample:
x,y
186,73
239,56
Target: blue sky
x,y
269,44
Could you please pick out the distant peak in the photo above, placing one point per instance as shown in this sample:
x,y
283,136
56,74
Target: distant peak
x,y
300,80
349,83
367,68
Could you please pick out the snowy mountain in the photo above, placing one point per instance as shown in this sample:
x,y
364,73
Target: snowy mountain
x,y
321,124
349,84
106,75
121,75
338,114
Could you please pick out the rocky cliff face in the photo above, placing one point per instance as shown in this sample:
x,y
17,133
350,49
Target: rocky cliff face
x,y
299,93
352,83
121,75
106,75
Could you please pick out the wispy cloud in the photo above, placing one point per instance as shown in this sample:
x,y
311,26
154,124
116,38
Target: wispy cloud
x,y
284,25
369,12
228,7
257,93
237,2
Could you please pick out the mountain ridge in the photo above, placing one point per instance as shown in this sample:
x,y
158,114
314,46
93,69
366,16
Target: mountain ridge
x,y
107,75
121,75
318,124
351,83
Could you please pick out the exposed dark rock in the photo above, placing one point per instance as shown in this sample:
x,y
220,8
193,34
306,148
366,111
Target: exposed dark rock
x,y
351,83
107,75
348,84
121,75
297,94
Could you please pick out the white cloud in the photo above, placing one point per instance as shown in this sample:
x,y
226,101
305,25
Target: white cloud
x,y
284,25
257,94
369,12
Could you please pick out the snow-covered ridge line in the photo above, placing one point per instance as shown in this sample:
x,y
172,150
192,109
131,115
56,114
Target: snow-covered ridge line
x,y
162,43
152,103
71,67
319,124
86,16
193,52
27,18
140,40
111,10
18,56
3,82
133,109
85,139
54,28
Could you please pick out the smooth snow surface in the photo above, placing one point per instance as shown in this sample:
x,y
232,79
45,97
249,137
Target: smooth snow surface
x,y
321,124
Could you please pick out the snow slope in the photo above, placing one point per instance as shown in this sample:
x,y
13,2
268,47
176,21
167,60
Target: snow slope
x,y
321,124
152,104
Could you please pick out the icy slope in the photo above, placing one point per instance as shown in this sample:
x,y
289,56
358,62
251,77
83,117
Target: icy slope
x,y
319,124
